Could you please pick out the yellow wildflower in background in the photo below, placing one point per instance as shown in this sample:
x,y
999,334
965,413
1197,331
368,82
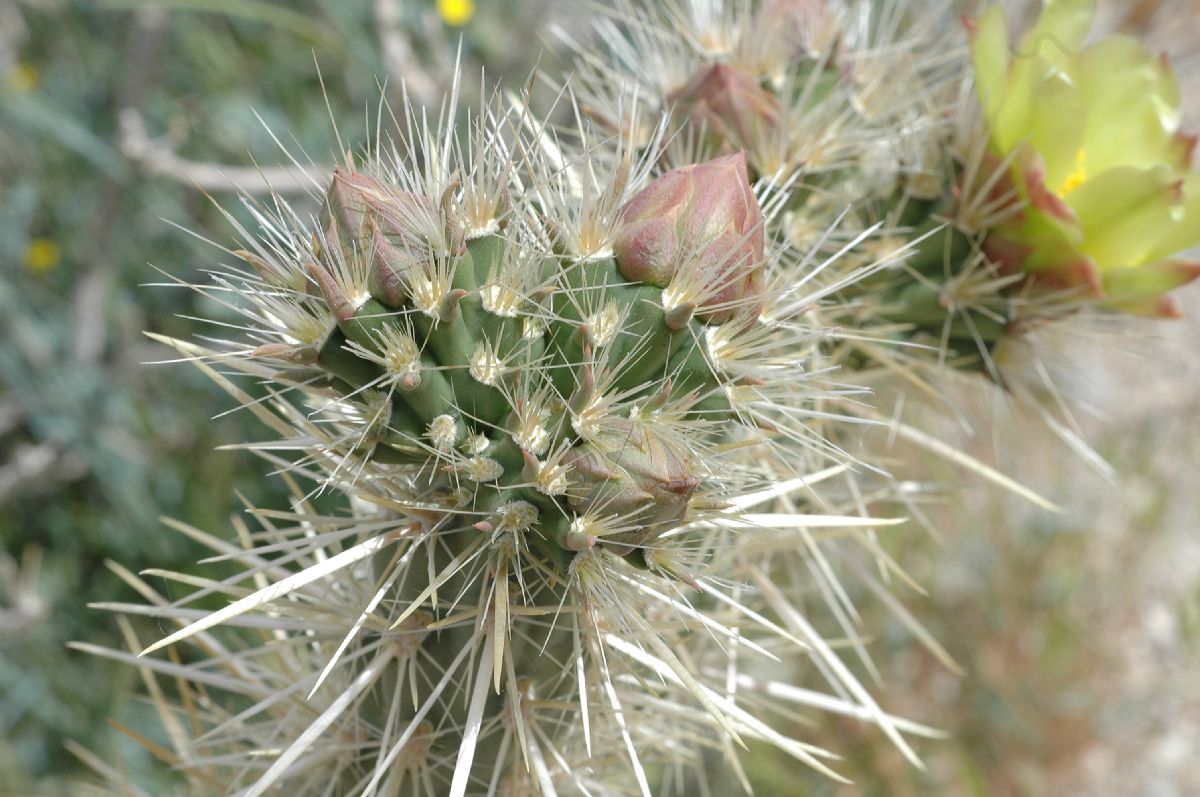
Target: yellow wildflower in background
x,y
21,78
42,255
1097,155
456,12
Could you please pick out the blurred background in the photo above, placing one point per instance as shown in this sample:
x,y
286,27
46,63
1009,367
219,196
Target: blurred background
x,y
1078,633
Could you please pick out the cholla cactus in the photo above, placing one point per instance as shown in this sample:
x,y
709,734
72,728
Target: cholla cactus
x,y
576,409
576,391
1071,187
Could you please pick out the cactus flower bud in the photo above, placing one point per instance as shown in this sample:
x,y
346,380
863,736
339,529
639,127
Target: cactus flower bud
x,y
364,217
731,105
629,470
697,229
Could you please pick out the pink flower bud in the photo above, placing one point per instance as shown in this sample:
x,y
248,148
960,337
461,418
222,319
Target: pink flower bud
x,y
632,472
364,217
700,228
731,105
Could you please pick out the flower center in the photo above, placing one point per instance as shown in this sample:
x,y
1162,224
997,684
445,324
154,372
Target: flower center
x,y
1077,177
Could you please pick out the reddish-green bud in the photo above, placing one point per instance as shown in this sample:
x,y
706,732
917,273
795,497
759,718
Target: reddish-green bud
x,y
364,217
629,471
698,230
731,105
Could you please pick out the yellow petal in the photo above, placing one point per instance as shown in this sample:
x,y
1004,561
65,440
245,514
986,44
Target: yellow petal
x,y
1184,229
1132,100
1150,280
989,57
1056,129
1131,212
1010,126
1060,31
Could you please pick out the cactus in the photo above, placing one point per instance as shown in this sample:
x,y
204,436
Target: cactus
x,y
577,393
985,222
559,390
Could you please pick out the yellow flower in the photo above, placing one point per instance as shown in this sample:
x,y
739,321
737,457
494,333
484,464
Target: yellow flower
x,y
21,78
1097,158
42,255
456,12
